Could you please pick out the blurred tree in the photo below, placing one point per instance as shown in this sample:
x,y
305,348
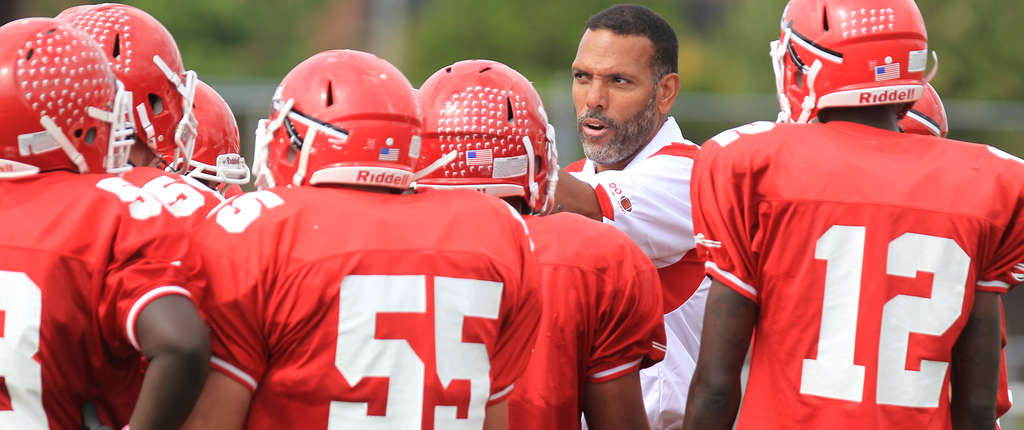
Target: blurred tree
x,y
536,37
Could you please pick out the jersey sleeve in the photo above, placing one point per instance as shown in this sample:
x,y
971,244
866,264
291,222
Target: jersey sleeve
x,y
724,219
650,202
1005,267
233,264
152,257
520,315
630,325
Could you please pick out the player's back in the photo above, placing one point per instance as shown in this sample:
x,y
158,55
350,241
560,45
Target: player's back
x,y
601,318
370,307
866,248
66,297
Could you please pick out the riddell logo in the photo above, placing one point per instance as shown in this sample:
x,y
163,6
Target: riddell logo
x,y
891,96
382,178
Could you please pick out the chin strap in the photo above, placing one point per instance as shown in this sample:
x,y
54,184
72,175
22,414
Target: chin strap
x,y
54,131
935,67
439,163
307,143
264,134
777,52
811,101
187,129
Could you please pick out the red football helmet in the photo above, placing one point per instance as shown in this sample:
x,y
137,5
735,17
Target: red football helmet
x,y
216,157
340,117
834,53
145,58
928,116
485,128
61,104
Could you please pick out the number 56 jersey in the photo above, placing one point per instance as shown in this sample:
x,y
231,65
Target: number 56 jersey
x,y
356,309
864,249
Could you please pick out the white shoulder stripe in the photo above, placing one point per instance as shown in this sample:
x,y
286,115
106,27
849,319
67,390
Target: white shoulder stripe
x,y
616,369
995,284
502,393
711,265
141,303
234,371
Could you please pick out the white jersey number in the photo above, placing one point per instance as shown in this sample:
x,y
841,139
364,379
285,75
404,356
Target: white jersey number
x,y
141,204
181,199
244,209
833,373
359,354
21,306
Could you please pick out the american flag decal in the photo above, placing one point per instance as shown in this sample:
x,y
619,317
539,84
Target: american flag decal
x,y
887,72
479,157
388,154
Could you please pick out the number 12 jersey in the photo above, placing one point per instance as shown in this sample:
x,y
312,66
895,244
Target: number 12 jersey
x,y
863,249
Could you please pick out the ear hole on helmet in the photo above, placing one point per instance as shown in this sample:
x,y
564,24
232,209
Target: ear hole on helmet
x,y
78,133
798,78
330,94
824,18
508,107
156,104
90,135
291,153
117,45
30,53
536,162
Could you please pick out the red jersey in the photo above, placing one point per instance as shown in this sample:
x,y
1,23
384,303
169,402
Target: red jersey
x,y
80,257
343,306
602,317
863,249
184,197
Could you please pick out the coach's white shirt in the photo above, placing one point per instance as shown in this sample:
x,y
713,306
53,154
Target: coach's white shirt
x,y
649,200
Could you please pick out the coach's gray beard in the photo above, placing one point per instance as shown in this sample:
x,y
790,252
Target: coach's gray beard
x,y
629,136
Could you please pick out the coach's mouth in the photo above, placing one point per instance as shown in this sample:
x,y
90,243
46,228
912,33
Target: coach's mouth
x,y
593,129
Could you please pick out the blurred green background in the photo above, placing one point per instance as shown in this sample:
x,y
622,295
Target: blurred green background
x,y
244,47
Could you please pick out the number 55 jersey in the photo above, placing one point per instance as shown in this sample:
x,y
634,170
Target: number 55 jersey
x,y
344,307
864,249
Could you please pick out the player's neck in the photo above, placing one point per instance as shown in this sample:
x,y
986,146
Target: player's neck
x,y
885,117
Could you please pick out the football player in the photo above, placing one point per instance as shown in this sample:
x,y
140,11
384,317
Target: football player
x,y
928,116
79,305
146,59
865,258
338,299
216,161
485,129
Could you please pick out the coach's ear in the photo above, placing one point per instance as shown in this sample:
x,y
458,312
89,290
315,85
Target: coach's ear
x,y
668,89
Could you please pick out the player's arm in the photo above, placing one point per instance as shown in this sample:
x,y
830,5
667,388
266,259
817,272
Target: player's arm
x,y
615,404
714,397
974,376
223,405
576,196
174,339
496,417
